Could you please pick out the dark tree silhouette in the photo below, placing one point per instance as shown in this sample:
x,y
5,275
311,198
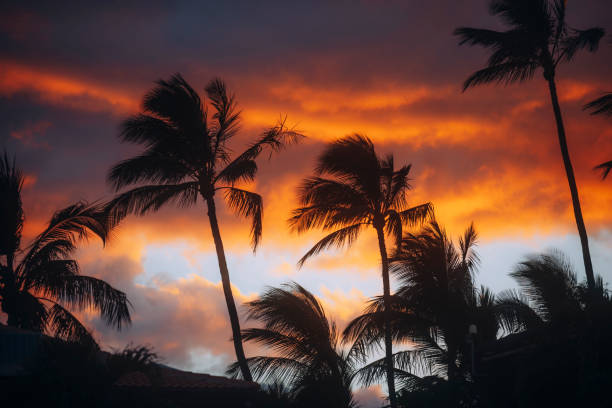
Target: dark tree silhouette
x,y
538,38
551,297
565,332
306,343
186,156
363,190
602,106
433,308
39,284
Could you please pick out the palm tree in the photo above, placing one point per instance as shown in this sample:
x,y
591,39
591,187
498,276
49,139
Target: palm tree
x,y
433,308
362,190
602,106
566,330
552,298
39,284
186,156
306,343
538,38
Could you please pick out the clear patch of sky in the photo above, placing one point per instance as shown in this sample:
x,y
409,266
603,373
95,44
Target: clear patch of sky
x,y
252,273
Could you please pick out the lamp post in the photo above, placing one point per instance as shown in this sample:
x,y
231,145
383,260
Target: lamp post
x,y
473,331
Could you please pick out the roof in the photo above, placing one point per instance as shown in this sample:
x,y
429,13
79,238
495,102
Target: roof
x,y
172,378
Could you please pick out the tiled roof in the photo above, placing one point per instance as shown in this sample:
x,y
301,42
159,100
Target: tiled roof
x,y
172,378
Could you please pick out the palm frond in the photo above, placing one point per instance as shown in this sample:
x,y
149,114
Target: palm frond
x,y
339,239
605,169
290,345
83,292
151,167
580,39
466,244
317,190
478,36
176,102
504,73
550,284
514,312
528,15
393,226
297,330
271,369
237,171
403,363
142,200
328,204
226,116
601,105
48,271
353,159
249,205
290,309
274,139
64,325
415,215
147,130
65,228
399,187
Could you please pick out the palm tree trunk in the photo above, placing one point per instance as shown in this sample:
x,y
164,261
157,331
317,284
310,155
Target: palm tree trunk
x,y
227,290
569,170
387,303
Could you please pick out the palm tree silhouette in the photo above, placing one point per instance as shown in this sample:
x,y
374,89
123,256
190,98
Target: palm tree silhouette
x,y
433,308
602,106
551,297
40,283
538,38
306,343
363,190
187,156
568,327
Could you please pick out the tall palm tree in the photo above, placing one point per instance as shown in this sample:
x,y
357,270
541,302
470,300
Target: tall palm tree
x,y
308,358
186,156
602,106
538,38
433,308
362,189
40,284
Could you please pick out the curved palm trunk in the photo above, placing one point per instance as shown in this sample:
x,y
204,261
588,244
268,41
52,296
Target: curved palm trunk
x,y
227,290
569,170
387,303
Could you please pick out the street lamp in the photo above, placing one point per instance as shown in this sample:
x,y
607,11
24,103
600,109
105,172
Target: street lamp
x,y
473,331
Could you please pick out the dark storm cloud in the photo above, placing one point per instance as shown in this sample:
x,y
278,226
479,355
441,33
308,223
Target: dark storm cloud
x,y
354,41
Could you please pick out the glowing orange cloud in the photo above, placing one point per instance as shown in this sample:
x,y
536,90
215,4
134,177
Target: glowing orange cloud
x,y
63,90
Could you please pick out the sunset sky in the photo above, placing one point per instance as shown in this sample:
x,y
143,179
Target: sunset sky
x,y
70,73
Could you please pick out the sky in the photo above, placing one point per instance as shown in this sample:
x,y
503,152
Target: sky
x,y
70,73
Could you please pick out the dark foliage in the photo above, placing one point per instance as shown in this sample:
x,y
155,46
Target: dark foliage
x,y
40,284
307,357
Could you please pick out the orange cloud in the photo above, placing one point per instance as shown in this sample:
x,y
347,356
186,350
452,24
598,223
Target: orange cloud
x,y
60,89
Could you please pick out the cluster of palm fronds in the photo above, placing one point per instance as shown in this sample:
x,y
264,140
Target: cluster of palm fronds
x,y
433,309
40,284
